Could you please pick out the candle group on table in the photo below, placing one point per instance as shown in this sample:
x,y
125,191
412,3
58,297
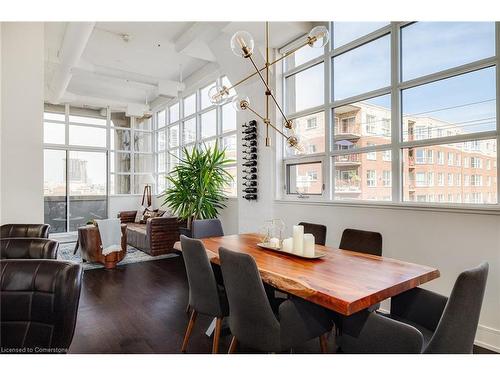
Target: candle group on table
x,y
300,243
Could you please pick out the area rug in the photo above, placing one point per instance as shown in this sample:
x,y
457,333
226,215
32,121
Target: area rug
x,y
133,256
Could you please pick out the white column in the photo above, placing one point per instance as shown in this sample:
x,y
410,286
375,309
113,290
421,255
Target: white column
x,y
22,86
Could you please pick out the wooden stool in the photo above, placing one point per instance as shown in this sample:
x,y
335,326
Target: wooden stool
x,y
90,245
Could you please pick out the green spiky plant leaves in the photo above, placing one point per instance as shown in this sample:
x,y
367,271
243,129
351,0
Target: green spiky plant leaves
x,y
196,184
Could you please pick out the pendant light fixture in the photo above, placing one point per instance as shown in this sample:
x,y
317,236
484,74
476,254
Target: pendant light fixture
x,y
242,45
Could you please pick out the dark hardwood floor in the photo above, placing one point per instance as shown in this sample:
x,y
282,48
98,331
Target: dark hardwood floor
x,y
140,308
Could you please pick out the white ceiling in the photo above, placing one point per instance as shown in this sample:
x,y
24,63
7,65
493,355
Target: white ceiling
x,y
123,62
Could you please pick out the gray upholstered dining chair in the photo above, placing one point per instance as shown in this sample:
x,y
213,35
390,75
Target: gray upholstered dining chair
x,y
252,320
317,230
362,241
205,295
422,321
203,229
206,228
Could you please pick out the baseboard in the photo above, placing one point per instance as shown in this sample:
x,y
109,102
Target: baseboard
x,y
486,337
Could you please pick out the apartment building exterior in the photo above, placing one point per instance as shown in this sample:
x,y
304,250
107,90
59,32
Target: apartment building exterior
x,y
454,173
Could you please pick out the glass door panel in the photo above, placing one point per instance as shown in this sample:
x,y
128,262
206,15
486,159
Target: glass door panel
x,y
87,187
54,190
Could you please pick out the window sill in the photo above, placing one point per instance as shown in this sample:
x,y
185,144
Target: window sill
x,y
487,210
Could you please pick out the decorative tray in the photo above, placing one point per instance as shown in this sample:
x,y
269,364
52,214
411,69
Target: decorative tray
x,y
317,253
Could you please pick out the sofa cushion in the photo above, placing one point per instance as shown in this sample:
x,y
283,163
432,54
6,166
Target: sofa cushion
x,y
138,228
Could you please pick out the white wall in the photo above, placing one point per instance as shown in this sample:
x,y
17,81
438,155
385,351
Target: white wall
x,y
22,117
0,121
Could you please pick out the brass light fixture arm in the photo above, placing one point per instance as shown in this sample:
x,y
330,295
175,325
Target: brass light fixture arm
x,y
266,121
285,55
269,92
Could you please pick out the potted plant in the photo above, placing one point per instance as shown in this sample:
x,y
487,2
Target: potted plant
x,y
196,185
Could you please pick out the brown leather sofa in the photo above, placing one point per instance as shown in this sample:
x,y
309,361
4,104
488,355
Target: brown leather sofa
x,y
39,300
157,236
24,230
28,248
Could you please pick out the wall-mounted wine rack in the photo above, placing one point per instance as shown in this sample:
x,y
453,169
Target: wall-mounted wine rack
x,y
250,161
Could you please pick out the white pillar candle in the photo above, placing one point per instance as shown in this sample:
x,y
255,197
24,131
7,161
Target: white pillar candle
x,y
298,239
274,242
308,245
287,245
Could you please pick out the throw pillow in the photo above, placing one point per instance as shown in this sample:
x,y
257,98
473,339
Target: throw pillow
x,y
148,214
167,213
139,214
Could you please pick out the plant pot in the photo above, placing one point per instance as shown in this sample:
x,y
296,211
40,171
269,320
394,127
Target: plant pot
x,y
185,231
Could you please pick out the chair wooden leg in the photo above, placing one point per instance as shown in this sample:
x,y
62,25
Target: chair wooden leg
x,y
218,327
323,343
233,345
189,329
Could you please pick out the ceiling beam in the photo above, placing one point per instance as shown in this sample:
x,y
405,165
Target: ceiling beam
x,y
75,40
114,104
194,41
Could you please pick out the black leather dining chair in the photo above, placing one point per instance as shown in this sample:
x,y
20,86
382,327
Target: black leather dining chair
x,y
24,230
206,228
317,230
252,320
422,321
28,248
205,295
39,300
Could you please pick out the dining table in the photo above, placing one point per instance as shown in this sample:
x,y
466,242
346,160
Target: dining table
x,y
343,281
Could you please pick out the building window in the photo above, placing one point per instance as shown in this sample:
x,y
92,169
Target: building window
x,y
440,157
371,127
451,102
421,179
440,179
476,180
386,178
371,178
311,123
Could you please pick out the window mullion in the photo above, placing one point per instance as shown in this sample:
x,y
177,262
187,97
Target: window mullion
x,y
396,166
497,76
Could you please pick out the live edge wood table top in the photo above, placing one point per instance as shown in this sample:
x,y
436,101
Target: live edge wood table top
x,y
342,281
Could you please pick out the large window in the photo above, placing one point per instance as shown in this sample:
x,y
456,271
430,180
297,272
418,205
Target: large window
x,y
405,112
130,144
194,122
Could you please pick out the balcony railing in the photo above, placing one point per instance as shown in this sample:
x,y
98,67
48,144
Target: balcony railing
x,y
347,159
343,131
347,186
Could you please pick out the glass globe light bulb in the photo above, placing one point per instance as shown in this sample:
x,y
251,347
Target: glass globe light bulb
x,y
293,141
242,44
218,95
318,37
240,103
290,125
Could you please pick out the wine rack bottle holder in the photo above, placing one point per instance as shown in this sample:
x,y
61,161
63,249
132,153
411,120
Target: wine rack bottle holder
x,y
249,161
